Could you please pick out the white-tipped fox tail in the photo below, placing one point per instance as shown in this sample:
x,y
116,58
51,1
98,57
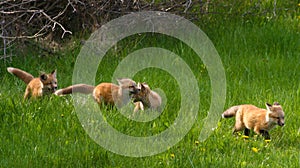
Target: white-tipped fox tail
x,y
24,76
230,112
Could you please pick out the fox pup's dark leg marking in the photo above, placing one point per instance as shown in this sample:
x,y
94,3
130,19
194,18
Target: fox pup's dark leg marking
x,y
265,134
246,132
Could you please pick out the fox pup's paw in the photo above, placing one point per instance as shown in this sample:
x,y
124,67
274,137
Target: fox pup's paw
x,y
138,106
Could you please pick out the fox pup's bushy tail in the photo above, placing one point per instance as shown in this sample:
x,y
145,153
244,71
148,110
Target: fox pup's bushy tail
x,y
24,76
78,88
230,112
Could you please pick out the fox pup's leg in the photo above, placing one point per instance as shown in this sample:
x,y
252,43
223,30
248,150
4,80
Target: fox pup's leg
x,y
138,106
97,98
246,132
239,126
37,93
265,134
27,92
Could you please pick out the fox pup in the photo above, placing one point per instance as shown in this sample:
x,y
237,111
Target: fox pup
x,y
36,87
146,97
250,117
106,93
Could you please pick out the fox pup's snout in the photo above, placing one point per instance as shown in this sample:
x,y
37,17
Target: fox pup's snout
x,y
143,91
50,88
53,88
276,113
128,85
280,122
49,81
133,89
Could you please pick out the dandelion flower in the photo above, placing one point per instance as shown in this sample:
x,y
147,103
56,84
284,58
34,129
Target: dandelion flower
x,y
197,142
245,136
254,149
298,4
268,140
172,155
244,163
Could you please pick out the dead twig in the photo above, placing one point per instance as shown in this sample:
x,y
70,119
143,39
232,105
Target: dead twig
x,y
35,12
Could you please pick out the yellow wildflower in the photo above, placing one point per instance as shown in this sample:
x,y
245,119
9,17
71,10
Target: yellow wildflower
x,y
299,4
254,149
172,155
245,136
267,140
197,142
244,163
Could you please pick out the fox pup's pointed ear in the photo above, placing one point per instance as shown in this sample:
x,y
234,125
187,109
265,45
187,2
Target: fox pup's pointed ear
x,y
54,73
268,105
43,77
143,86
119,80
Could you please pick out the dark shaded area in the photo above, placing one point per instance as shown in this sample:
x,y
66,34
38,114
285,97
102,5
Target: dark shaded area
x,y
48,24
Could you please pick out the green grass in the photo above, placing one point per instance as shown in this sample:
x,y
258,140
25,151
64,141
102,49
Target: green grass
x,y
262,64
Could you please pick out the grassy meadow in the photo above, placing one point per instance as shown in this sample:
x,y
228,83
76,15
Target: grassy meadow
x,y
262,64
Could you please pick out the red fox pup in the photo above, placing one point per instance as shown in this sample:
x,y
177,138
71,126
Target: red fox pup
x,y
36,87
250,117
106,93
145,97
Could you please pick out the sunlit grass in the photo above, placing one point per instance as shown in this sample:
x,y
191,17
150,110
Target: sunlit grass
x,y
262,64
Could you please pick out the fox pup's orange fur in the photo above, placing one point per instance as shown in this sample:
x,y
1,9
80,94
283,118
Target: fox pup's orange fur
x,y
250,117
105,93
109,93
36,87
146,97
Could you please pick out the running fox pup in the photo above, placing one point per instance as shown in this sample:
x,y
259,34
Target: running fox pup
x,y
36,87
250,117
105,93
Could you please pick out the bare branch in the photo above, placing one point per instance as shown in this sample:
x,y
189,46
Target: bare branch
x,y
34,13
188,5
56,23
19,11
